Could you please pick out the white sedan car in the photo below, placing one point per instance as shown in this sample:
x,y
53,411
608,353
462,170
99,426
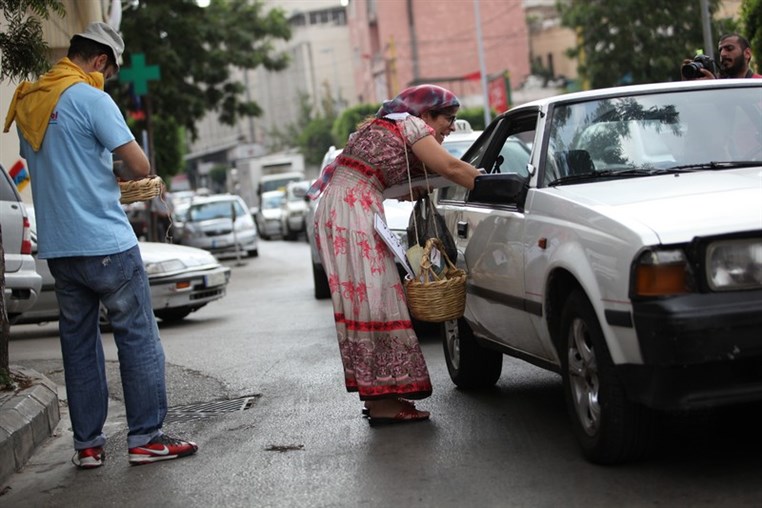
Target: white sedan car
x,y
182,280
622,251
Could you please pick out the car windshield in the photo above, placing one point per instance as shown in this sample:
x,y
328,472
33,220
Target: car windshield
x,y
272,201
215,210
655,133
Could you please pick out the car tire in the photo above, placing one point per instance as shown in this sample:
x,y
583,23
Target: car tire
x,y
172,315
252,253
470,365
322,289
609,427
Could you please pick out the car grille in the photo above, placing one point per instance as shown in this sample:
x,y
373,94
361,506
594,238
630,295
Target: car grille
x,y
209,293
218,232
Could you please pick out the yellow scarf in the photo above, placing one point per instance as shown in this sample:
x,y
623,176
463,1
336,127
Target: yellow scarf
x,y
33,103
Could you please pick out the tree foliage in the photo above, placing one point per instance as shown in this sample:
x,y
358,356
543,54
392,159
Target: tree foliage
x,y
23,49
196,49
348,121
751,20
635,41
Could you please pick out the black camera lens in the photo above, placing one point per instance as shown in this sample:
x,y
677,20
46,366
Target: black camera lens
x,y
692,70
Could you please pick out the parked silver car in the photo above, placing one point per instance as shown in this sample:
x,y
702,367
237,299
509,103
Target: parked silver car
x,y
182,280
22,282
220,224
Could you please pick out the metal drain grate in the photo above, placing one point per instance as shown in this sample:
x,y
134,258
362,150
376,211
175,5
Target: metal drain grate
x,y
207,409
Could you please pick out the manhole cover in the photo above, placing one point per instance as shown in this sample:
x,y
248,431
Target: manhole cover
x,y
207,409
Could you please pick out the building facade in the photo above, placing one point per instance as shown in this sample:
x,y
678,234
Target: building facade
x,y
399,43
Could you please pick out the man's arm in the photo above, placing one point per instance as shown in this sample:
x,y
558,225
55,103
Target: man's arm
x,y
134,164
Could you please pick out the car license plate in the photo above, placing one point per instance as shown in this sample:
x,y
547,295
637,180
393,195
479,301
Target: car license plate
x,y
214,279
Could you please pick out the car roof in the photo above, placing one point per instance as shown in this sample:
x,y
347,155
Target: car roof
x,y
214,198
619,91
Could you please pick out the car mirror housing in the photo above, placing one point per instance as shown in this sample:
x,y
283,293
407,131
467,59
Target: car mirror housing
x,y
498,189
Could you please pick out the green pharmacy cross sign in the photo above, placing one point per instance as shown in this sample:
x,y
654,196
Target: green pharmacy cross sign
x,y
139,74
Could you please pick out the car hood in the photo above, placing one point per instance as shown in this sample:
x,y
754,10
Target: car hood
x,y
271,213
397,213
678,207
191,257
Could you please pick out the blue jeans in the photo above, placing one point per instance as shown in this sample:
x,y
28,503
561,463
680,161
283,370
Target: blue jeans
x,y
120,282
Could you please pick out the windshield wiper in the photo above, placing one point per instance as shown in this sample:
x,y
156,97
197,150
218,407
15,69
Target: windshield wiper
x,y
720,165
618,173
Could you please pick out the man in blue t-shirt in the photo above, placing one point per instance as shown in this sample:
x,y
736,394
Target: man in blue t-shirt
x,y
68,129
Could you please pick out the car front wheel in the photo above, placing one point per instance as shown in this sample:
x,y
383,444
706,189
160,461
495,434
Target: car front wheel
x,y
609,427
470,365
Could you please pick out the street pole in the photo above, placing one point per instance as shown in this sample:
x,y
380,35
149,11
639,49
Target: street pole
x,y
706,22
482,66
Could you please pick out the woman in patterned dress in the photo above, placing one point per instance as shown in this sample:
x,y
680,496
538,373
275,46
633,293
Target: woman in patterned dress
x,y
379,350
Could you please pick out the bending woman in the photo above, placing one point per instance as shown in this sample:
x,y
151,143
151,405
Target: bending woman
x,y
380,353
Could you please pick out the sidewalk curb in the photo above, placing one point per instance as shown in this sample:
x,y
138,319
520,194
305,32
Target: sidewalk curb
x,y
27,419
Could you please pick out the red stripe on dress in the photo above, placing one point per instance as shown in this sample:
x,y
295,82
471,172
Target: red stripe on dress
x,y
372,326
415,390
361,167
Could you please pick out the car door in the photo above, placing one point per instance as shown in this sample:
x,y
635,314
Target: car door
x,y
490,238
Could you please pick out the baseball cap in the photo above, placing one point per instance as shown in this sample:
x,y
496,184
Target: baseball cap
x,y
104,34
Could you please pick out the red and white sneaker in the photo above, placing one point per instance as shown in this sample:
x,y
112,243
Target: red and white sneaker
x,y
89,458
162,447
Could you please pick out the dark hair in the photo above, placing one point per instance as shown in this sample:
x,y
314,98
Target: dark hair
x,y
742,41
87,48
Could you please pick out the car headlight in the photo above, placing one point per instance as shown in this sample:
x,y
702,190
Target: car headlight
x,y
734,264
662,273
169,266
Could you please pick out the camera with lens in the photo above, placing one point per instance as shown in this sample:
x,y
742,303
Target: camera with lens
x,y
692,70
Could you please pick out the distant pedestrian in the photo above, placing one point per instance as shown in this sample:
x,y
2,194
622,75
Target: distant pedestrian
x,y
380,353
68,128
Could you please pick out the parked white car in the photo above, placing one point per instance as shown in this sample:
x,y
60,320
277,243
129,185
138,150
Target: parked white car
x,y
268,214
182,280
220,224
294,209
623,252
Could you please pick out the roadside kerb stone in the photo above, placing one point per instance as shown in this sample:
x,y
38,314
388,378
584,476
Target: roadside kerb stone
x,y
27,419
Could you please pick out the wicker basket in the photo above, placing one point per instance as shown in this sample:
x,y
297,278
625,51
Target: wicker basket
x,y
437,298
140,190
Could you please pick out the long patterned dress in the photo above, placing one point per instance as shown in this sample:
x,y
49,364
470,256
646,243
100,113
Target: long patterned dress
x,y
379,350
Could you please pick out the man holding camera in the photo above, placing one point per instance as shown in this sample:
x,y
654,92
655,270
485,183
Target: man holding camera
x,y
735,55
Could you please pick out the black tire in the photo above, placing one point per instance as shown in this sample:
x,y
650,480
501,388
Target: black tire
x,y
470,365
172,315
253,253
609,427
320,279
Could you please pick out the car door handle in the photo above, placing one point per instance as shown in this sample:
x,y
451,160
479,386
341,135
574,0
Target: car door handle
x,y
462,229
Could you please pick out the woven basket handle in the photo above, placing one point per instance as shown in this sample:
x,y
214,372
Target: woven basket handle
x,y
427,270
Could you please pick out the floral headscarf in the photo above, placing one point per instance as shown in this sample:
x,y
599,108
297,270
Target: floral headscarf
x,y
416,100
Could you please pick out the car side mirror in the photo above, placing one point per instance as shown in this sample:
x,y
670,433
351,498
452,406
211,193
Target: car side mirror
x,y
498,189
